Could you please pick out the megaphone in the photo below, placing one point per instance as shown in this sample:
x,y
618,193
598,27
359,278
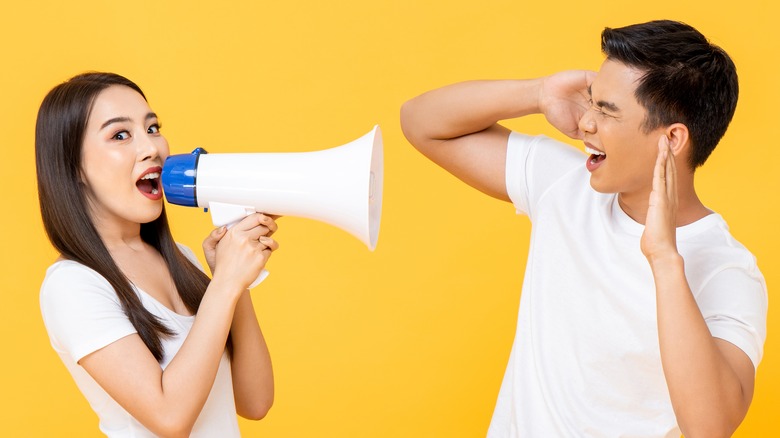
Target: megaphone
x,y
341,186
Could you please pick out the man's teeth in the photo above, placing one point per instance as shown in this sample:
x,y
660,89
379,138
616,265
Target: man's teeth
x,y
593,151
153,175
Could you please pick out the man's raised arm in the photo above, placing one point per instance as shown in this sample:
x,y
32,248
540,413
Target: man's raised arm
x,y
457,126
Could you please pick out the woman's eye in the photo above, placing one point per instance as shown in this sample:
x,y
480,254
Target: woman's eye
x,y
122,135
154,129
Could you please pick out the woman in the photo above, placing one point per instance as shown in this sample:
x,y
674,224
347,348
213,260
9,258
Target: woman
x,y
156,347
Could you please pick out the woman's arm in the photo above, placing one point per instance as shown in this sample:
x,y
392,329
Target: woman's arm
x,y
253,379
169,402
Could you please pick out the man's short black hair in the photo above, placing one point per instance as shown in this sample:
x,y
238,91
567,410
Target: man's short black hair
x,y
687,79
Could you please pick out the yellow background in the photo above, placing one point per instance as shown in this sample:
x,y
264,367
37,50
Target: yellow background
x,y
412,339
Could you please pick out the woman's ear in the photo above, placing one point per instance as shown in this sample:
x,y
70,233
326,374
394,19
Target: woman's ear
x,y
679,140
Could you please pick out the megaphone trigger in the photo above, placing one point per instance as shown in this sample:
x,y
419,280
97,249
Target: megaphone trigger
x,y
228,214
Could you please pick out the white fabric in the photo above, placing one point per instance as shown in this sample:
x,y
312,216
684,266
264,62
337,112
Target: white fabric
x,y
82,314
585,360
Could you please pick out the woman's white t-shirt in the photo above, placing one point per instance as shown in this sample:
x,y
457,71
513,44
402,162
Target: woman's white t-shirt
x,y
82,314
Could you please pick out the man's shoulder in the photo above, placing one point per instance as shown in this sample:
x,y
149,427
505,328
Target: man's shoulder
x,y
708,247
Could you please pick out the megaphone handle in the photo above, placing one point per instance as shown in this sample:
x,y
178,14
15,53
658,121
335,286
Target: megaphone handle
x,y
229,215
263,274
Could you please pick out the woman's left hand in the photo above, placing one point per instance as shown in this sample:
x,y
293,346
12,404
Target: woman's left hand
x,y
210,246
211,241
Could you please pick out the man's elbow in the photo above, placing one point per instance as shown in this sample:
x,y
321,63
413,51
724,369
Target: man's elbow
x,y
170,427
257,410
409,126
711,428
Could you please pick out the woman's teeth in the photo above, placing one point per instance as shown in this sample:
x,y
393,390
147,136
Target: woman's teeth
x,y
153,175
148,183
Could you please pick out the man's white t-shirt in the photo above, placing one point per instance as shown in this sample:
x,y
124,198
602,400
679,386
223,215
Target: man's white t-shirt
x,y
82,314
586,360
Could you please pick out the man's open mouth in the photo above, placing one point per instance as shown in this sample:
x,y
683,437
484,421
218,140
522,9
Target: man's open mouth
x,y
596,156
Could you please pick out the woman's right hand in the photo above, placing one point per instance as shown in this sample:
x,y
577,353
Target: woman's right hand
x,y
243,250
564,98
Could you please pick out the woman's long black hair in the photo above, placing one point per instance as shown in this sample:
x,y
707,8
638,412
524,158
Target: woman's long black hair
x,y
59,135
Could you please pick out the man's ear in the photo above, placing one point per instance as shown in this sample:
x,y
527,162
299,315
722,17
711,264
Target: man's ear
x,y
679,140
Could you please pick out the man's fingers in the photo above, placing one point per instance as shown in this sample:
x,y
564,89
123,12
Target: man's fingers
x,y
671,172
659,173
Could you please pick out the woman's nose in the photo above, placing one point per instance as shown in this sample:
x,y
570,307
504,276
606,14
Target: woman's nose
x,y
147,148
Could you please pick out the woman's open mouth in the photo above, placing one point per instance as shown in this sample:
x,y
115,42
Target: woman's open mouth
x,y
149,184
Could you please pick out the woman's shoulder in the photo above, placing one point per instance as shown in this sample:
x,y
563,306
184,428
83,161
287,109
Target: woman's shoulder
x,y
80,310
69,270
73,281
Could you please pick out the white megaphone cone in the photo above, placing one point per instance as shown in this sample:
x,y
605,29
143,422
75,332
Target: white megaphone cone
x,y
341,186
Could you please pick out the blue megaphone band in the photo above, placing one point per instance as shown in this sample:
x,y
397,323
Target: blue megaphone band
x,y
179,175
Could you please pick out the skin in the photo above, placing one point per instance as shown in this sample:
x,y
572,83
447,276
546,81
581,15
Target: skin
x,y
710,380
123,141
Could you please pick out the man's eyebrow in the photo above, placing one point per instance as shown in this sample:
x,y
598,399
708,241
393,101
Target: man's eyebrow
x,y
609,106
125,119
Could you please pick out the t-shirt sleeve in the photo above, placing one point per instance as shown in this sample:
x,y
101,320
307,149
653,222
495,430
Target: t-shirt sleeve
x,y
734,306
81,311
533,165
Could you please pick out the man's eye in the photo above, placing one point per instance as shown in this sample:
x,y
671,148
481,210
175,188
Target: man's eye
x,y
603,114
122,135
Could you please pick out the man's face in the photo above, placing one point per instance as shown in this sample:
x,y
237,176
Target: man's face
x,y
622,154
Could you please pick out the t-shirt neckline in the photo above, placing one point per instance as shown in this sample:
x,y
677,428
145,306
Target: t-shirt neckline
x,y
636,229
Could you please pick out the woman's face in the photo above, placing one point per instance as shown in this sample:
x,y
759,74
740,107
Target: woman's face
x,y
121,160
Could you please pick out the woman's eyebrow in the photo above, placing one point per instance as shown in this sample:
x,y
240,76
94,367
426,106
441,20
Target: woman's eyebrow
x,y
125,119
115,120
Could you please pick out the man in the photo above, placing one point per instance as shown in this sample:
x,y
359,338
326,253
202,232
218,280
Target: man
x,y
640,314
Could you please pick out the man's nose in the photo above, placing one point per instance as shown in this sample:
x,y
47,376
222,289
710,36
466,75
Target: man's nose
x,y
587,123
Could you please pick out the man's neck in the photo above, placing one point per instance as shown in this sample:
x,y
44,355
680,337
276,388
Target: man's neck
x,y
689,207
